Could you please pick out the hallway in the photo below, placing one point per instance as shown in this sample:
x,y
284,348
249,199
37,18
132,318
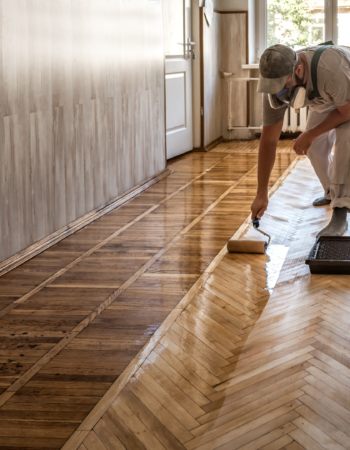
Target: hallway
x,y
246,363
141,332
74,317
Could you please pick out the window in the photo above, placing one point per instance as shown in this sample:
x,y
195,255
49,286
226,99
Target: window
x,y
343,22
302,23
296,23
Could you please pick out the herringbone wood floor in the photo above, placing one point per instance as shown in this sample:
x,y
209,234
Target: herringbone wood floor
x,y
79,319
245,367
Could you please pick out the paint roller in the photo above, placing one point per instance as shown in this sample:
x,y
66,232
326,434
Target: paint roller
x,y
245,246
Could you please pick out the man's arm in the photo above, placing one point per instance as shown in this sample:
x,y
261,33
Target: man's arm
x,y
333,120
266,161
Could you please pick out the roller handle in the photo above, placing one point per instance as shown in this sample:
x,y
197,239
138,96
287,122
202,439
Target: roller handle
x,y
256,223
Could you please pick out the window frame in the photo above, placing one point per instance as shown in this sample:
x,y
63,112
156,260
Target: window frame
x,y
331,29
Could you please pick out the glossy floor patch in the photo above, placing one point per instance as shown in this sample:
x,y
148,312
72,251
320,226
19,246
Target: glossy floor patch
x,y
242,367
74,318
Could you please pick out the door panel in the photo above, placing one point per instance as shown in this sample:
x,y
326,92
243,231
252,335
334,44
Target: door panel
x,y
178,78
174,28
176,101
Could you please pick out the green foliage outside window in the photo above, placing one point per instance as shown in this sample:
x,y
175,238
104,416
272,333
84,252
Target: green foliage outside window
x,y
292,23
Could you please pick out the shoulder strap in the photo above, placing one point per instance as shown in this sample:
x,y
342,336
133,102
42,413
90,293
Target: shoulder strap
x,y
314,63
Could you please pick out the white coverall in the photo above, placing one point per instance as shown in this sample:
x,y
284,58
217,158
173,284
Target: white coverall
x,y
332,171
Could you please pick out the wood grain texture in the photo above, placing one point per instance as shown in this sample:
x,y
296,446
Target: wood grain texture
x,y
234,53
224,48
71,333
211,78
209,146
260,356
25,255
83,110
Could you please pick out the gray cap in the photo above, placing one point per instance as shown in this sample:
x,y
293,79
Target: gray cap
x,y
276,64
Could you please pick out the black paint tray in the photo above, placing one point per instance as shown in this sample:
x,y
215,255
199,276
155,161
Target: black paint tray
x,y
330,255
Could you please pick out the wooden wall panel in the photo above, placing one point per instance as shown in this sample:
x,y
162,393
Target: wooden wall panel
x,y
82,110
234,53
225,46
211,79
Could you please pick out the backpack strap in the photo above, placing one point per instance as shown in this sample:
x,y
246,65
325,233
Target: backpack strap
x,y
314,64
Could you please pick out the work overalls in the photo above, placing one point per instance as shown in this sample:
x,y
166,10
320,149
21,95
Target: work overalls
x,y
332,171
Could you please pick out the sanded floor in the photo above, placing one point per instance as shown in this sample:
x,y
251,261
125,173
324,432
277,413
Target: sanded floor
x,y
74,318
247,363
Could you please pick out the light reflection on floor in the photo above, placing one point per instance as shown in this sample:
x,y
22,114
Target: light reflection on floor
x,y
276,254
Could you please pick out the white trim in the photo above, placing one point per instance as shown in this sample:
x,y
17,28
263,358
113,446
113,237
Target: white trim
x,y
335,21
244,128
328,20
250,66
261,28
331,28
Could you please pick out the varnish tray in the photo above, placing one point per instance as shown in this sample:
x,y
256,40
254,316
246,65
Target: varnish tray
x,y
330,255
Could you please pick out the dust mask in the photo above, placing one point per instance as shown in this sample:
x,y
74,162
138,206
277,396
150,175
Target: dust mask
x,y
294,96
296,99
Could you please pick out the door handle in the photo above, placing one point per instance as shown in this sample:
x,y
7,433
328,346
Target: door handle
x,y
189,45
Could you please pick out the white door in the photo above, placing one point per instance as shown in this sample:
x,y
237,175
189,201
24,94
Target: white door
x,y
178,76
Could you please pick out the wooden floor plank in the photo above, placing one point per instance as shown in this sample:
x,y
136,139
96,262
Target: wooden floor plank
x,y
159,411
316,434
107,437
294,446
329,429
274,440
257,433
163,435
184,371
259,358
290,363
178,381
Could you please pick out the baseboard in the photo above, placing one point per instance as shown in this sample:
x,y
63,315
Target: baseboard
x,y
57,236
210,146
178,157
214,143
284,135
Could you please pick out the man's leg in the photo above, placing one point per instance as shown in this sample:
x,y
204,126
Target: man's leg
x,y
320,155
340,183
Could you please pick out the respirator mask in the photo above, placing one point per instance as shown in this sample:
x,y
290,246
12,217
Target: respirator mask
x,y
294,96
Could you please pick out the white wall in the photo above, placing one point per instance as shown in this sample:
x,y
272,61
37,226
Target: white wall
x,y
232,5
251,31
196,84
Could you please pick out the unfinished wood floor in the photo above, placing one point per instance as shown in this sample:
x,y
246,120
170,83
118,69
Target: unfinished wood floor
x,y
242,366
75,317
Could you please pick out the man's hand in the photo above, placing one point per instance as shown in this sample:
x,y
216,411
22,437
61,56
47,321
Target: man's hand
x,y
335,118
303,143
259,206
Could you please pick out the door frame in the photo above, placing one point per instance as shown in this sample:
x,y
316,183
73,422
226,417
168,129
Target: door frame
x,y
217,141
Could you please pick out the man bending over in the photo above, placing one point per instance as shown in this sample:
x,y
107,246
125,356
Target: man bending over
x,y
318,77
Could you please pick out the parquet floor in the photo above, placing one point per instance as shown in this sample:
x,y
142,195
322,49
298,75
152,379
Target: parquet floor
x,y
247,363
81,317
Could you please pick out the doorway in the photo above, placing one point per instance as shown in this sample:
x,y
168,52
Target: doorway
x,y
179,53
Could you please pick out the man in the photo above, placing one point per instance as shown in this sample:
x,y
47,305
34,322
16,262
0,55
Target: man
x,y
281,72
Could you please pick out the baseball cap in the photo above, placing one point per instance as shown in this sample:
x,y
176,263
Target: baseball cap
x,y
276,64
